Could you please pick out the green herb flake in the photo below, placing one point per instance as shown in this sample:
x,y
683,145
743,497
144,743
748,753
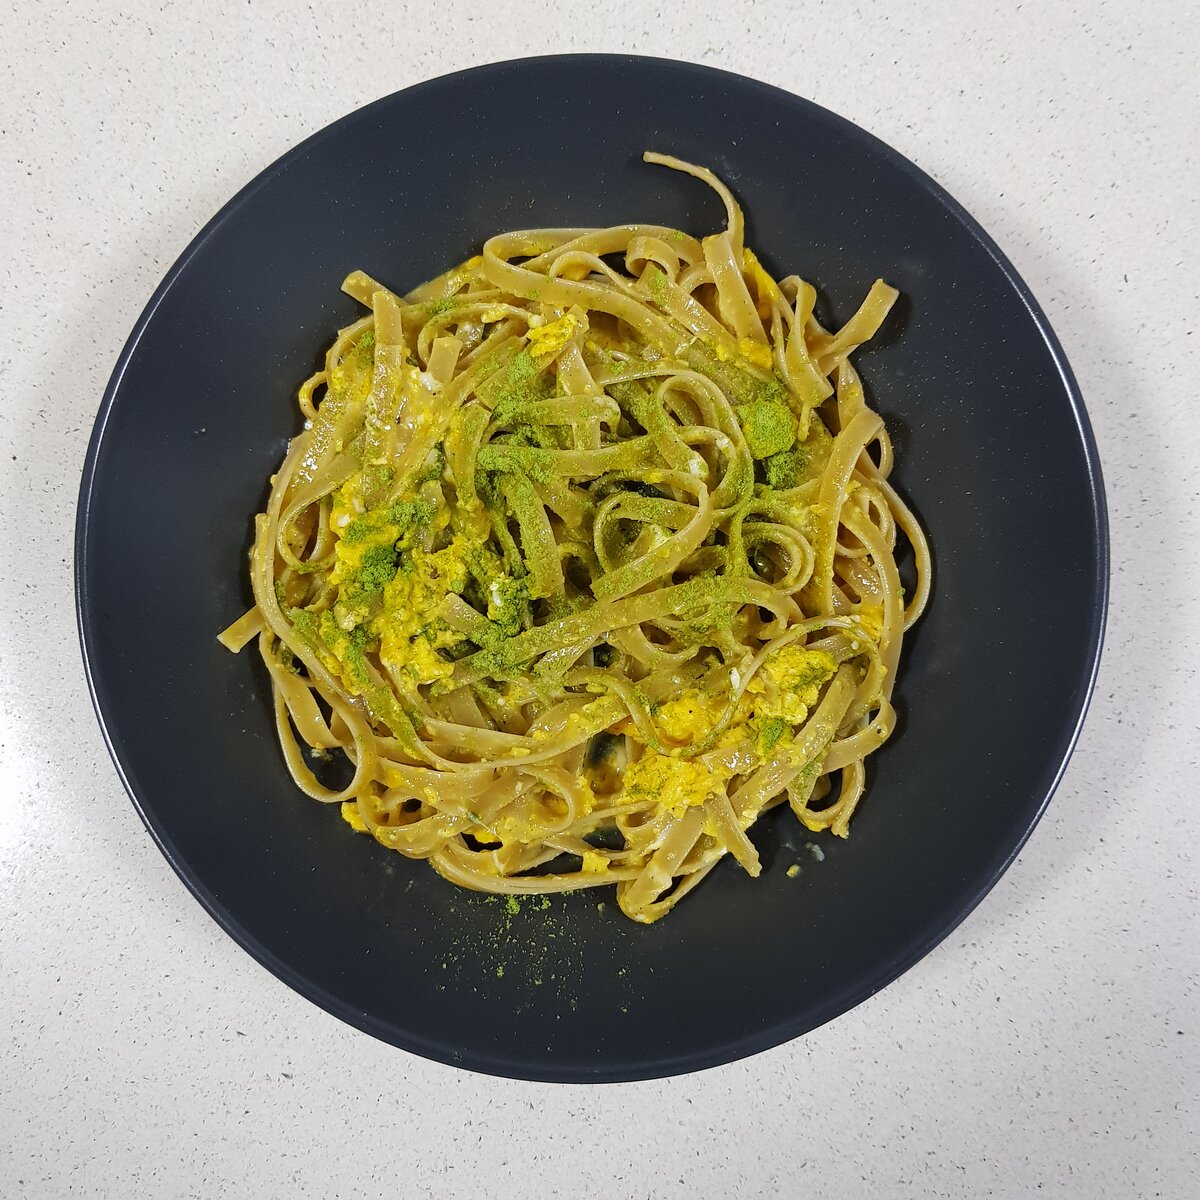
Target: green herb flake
x,y
504,661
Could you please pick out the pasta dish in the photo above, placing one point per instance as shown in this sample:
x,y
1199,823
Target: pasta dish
x,y
586,556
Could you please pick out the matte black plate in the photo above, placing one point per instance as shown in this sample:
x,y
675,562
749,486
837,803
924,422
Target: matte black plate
x,y
994,450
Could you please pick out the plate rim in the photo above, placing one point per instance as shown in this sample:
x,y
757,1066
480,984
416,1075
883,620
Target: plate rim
x,y
765,1037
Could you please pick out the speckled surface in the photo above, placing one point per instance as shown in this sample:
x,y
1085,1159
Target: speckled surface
x,y
1051,1045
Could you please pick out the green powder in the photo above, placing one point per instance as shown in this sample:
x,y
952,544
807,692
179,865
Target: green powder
x,y
768,426
771,733
657,280
348,646
408,515
734,379
508,603
522,381
305,623
530,461
504,661
378,569
786,469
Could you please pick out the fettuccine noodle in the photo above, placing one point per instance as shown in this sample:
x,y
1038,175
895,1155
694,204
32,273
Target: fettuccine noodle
x,y
585,558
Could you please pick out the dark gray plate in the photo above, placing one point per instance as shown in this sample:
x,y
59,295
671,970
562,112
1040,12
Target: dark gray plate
x,y
994,451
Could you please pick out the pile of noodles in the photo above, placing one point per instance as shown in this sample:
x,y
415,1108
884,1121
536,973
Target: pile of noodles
x,y
585,557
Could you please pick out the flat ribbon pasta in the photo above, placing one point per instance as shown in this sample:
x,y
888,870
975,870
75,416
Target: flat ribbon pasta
x,y
586,557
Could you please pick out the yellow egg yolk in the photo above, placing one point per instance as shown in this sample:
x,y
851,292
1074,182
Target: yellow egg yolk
x,y
352,818
410,607
758,353
547,340
674,784
762,285
789,683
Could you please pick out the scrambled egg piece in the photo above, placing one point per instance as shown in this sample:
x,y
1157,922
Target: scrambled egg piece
x,y
389,590
676,784
410,604
777,699
351,817
871,618
594,862
754,352
547,340
690,716
792,684
359,537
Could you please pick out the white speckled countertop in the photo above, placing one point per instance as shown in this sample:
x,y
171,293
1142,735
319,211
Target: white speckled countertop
x,y
1051,1045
